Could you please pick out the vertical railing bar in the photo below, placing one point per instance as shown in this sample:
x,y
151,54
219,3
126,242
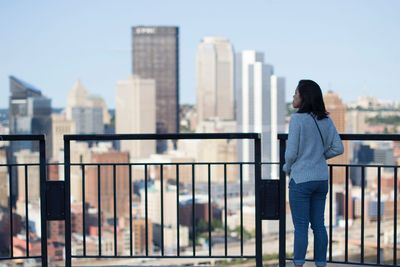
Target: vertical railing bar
x,y
99,205
83,209
67,181
258,222
226,212
130,211
395,219
177,211
209,209
43,201
193,212
378,231
11,212
346,233
115,209
241,208
362,212
330,211
282,205
162,208
146,210
26,211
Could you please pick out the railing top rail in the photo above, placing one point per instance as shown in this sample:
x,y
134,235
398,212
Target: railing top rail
x,y
172,136
358,137
22,137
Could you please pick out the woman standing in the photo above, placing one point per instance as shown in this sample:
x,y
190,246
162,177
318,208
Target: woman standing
x,y
312,140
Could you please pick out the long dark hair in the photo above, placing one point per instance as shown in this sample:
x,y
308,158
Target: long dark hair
x,y
311,99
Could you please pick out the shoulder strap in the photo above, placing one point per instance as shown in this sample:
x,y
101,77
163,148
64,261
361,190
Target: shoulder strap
x,y
320,134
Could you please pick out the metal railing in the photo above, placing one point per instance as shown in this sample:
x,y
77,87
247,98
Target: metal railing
x,y
362,235
11,169
343,243
191,189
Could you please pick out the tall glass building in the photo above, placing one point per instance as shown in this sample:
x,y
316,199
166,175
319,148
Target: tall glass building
x,y
29,113
156,56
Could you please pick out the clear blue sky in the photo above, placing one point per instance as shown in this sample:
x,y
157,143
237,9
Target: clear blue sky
x,y
351,47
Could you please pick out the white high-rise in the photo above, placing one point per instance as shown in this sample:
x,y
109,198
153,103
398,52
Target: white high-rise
x,y
260,108
215,81
135,112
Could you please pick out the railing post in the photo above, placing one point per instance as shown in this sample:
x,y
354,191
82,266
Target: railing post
x,y
43,211
257,182
282,203
67,179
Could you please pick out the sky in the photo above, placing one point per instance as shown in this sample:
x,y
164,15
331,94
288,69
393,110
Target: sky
x,y
351,47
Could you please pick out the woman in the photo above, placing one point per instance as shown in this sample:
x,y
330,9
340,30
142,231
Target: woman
x,y
312,140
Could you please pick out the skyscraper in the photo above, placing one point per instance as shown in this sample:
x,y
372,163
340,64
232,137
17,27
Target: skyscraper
x,y
215,92
29,113
260,103
156,56
135,112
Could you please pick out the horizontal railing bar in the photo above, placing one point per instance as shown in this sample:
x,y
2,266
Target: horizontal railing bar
x,y
22,137
358,137
363,165
348,263
20,258
163,257
167,163
191,163
99,137
19,164
281,136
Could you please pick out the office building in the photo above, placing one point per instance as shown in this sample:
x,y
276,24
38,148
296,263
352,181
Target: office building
x,y
29,113
260,106
135,112
215,88
156,56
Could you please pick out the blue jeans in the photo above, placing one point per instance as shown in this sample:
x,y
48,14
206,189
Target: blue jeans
x,y
307,203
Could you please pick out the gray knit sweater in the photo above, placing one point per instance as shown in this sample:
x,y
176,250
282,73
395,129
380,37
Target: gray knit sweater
x,y
305,156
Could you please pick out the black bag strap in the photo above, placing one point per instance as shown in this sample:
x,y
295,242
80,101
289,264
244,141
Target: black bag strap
x,y
320,134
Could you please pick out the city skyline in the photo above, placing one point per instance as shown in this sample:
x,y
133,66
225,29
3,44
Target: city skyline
x,y
354,56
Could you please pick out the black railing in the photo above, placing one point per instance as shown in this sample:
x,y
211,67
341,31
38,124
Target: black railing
x,y
190,187
12,170
344,240
363,260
